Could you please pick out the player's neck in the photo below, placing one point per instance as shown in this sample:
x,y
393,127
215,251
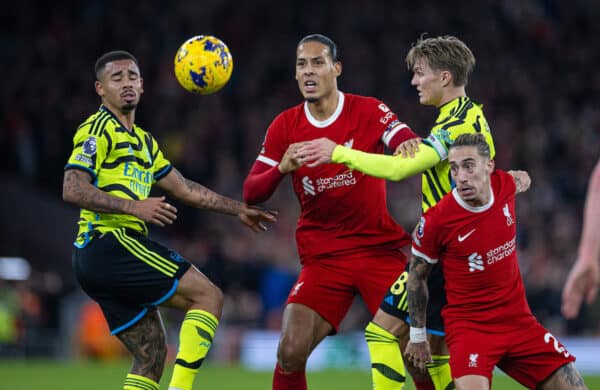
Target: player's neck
x,y
451,94
482,200
126,118
324,107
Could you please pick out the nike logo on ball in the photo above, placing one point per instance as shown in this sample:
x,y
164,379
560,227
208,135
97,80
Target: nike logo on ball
x,y
462,238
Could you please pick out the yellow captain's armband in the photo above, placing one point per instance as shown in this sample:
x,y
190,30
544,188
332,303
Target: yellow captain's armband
x,y
386,167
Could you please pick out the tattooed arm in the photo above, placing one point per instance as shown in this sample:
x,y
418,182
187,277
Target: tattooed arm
x,y
78,189
196,195
417,351
418,292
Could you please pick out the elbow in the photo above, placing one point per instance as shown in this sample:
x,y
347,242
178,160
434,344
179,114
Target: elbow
x,y
251,196
68,197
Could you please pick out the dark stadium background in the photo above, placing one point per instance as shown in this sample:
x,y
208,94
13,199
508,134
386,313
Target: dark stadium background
x,y
536,75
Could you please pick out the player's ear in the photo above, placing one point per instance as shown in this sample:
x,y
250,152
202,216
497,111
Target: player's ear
x,y
491,165
446,78
99,88
337,66
141,85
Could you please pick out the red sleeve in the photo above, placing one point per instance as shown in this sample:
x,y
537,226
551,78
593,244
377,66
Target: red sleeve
x,y
426,237
404,134
394,131
261,182
264,176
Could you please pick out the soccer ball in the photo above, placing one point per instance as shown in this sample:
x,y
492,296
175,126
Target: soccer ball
x,y
203,64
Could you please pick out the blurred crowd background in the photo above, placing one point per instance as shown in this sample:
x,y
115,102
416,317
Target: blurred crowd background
x,y
535,76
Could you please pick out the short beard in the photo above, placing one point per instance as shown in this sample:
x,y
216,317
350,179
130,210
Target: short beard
x,y
128,107
312,100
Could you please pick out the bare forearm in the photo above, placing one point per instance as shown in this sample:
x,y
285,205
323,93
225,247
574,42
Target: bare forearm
x,y
77,190
418,293
196,195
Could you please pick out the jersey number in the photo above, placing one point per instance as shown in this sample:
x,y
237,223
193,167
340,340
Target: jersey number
x,y
559,348
399,288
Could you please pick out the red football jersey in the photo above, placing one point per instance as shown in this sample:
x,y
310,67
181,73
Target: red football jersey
x,y
477,249
342,211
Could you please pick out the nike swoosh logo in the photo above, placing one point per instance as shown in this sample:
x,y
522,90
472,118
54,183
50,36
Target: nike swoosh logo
x,y
462,238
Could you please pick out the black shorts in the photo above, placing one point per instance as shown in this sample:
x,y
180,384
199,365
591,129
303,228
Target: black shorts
x,y
128,275
395,302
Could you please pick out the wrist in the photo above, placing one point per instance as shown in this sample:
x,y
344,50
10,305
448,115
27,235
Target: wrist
x,y
418,335
337,153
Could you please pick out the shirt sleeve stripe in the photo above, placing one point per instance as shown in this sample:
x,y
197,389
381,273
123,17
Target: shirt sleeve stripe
x,y
437,145
267,161
423,256
388,135
82,168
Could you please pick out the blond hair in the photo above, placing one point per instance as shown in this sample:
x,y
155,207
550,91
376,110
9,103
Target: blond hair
x,y
444,53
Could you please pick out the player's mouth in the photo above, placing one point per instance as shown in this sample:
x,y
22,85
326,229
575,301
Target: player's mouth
x,y
310,86
466,191
128,95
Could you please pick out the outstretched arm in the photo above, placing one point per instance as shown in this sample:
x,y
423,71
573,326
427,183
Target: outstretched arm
x,y
584,278
78,189
417,351
196,195
323,150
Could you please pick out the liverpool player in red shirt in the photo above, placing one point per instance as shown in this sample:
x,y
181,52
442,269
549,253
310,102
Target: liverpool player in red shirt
x,y
472,233
347,242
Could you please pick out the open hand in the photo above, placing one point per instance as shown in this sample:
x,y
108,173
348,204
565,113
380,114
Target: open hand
x,y
155,210
254,218
408,147
582,284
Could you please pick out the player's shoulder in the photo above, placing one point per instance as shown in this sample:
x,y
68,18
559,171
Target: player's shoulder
x,y
365,102
290,114
140,131
503,183
94,123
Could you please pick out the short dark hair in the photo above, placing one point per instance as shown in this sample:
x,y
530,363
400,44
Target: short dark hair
x,y
444,53
110,57
333,51
473,139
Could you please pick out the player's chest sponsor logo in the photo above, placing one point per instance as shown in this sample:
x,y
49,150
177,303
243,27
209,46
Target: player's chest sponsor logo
x,y
321,184
475,262
501,252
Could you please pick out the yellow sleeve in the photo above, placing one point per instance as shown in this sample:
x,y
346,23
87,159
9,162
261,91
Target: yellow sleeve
x,y
386,167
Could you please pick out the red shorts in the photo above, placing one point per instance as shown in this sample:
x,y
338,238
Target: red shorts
x,y
328,286
529,354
